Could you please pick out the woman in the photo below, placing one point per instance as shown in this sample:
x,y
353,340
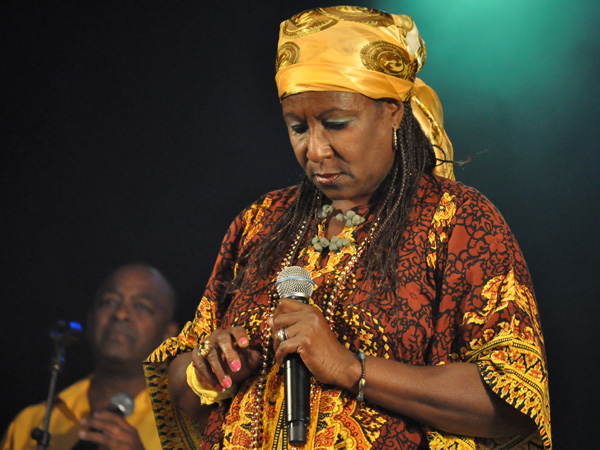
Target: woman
x,y
422,330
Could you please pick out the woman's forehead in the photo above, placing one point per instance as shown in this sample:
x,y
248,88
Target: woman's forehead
x,y
326,99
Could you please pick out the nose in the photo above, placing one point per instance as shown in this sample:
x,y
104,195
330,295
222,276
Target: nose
x,y
319,147
122,311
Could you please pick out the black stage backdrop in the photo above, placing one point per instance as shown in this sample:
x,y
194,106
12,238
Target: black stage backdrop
x,y
137,131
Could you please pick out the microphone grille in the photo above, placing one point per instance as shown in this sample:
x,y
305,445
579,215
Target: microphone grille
x,y
294,279
122,404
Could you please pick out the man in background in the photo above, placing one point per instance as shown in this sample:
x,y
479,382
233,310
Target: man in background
x,y
131,315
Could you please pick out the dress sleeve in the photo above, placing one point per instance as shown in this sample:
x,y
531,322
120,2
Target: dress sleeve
x,y
489,315
176,430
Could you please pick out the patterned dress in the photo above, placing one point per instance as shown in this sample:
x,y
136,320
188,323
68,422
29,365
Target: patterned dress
x,y
464,295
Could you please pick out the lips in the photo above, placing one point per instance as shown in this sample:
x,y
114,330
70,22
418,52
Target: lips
x,y
327,178
119,333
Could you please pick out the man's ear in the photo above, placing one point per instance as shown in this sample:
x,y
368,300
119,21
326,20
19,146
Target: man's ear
x,y
171,330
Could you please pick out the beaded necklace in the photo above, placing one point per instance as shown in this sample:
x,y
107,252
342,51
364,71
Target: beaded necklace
x,y
329,313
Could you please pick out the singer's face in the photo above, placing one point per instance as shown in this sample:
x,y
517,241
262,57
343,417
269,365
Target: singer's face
x,y
343,141
131,316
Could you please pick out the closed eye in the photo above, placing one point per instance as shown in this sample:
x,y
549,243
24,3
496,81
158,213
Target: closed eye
x,y
298,128
336,124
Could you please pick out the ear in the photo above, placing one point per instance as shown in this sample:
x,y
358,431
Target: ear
x,y
170,330
397,112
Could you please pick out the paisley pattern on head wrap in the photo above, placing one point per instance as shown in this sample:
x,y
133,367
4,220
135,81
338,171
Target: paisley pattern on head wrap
x,y
363,50
288,54
382,56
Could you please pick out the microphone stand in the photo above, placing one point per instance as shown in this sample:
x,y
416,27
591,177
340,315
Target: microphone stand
x,y
62,335
42,436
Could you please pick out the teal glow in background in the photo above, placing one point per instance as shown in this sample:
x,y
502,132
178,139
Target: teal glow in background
x,y
518,81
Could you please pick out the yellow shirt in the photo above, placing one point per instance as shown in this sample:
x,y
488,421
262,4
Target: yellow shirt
x,y
73,405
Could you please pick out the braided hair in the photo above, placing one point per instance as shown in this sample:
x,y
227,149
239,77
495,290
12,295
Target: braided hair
x,y
413,158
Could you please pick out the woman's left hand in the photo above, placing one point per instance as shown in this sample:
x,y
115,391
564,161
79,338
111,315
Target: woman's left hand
x,y
308,334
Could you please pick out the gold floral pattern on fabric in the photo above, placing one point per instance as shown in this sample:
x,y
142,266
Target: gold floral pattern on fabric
x,y
253,220
510,361
384,57
287,54
438,441
306,22
181,432
475,304
438,234
358,14
502,293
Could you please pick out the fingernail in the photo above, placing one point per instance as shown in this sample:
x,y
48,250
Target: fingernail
x,y
243,341
219,388
235,365
226,382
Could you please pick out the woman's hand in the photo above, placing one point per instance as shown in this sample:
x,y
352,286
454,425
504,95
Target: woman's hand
x,y
229,359
309,335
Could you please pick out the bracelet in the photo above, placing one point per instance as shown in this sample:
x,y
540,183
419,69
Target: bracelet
x,y
362,383
207,396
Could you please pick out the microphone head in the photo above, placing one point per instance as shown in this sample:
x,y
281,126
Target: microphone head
x,y
121,404
294,280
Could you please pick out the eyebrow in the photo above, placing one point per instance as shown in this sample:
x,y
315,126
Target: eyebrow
x,y
319,116
154,300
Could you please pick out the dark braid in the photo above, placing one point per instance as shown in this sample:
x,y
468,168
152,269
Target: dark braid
x,y
414,158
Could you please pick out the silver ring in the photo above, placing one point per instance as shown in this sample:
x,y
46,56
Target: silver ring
x,y
281,335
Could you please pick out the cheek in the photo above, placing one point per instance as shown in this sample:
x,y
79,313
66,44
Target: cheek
x,y
299,153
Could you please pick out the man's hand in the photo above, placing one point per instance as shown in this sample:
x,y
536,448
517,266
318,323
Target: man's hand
x,y
111,432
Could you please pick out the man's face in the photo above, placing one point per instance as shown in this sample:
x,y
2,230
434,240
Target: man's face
x,y
131,316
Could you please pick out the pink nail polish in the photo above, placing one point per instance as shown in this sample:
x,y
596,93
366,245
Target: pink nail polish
x,y
219,388
235,365
243,341
226,382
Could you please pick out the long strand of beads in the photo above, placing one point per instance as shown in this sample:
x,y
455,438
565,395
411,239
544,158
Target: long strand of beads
x,y
266,345
329,311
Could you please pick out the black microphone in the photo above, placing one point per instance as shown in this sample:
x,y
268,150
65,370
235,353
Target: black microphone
x,y
120,404
296,283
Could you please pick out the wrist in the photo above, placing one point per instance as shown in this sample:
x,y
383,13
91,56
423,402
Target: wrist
x,y
351,373
207,396
362,382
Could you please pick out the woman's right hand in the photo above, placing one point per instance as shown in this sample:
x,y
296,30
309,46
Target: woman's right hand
x,y
229,360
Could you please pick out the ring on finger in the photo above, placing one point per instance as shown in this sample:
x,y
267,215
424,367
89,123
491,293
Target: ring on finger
x,y
204,348
281,335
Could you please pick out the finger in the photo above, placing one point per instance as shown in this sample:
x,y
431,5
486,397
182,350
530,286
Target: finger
x,y
204,373
227,343
240,336
288,347
287,305
219,369
106,428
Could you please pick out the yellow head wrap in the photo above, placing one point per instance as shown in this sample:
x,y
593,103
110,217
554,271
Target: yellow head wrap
x,y
352,49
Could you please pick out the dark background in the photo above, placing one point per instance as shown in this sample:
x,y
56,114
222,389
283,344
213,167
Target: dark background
x,y
137,131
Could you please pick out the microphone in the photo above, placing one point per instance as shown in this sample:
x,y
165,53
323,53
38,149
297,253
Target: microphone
x,y
296,283
120,404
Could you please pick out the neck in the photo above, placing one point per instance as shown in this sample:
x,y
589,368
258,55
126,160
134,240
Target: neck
x,y
106,383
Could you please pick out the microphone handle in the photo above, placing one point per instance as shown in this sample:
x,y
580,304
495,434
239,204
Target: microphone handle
x,y
297,398
297,394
